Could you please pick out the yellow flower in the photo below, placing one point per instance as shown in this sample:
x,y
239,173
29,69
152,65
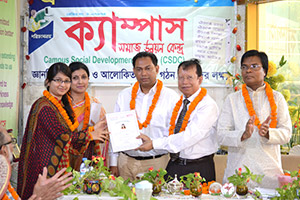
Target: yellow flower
x,y
272,69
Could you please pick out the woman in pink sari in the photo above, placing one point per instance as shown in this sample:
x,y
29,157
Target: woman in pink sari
x,y
81,102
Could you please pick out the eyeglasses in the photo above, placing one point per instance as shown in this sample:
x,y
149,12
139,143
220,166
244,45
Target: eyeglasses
x,y
13,140
61,81
252,67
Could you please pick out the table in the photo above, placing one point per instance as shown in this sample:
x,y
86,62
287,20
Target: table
x,y
266,193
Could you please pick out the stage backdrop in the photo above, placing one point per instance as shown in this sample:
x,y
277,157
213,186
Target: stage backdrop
x,y
9,70
106,34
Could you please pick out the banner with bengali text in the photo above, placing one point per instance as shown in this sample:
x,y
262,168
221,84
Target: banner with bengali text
x,y
106,34
9,69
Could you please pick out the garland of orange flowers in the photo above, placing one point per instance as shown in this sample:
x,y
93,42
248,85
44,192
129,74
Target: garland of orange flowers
x,y
62,111
151,108
12,192
87,110
251,111
192,107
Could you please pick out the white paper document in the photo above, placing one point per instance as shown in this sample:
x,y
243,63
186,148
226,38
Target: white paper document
x,y
95,113
124,129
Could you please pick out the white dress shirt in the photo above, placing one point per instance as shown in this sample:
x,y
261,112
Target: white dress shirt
x,y
259,154
199,137
159,124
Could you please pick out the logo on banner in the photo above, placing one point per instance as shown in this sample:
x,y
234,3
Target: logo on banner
x,y
41,28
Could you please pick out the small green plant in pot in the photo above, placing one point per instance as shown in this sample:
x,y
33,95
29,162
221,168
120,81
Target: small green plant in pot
x,y
193,181
96,171
156,177
240,180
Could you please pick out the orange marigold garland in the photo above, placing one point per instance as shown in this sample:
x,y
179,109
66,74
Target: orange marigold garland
x,y
151,108
12,192
62,111
188,113
251,111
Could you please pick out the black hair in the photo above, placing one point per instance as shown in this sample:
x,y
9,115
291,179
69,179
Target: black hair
x,y
145,54
74,66
262,56
190,63
52,72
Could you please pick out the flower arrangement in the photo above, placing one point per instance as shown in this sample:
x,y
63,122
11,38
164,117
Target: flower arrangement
x,y
110,184
192,180
155,176
290,191
96,168
242,178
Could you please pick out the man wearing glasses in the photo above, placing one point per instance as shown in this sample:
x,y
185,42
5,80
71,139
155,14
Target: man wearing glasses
x,y
47,189
254,122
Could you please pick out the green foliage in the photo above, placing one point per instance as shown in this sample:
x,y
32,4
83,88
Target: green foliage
x,y
192,180
242,178
290,191
117,187
98,169
155,176
110,184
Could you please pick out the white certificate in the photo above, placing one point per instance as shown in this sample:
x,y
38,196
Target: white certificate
x,y
124,129
95,113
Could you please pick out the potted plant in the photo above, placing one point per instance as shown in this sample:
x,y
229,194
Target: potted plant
x,y
156,177
240,180
193,181
96,171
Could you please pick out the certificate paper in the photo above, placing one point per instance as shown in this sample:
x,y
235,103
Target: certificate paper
x,y
124,129
95,113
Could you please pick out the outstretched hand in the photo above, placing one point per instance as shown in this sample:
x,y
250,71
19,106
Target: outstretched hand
x,y
264,128
249,128
147,143
50,188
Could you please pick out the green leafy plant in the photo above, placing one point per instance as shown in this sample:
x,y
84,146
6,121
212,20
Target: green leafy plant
x,y
95,169
192,180
242,178
290,191
155,176
110,184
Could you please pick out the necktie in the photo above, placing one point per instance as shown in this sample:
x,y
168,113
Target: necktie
x,y
175,156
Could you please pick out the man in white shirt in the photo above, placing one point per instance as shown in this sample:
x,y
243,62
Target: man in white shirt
x,y
153,104
254,136
194,134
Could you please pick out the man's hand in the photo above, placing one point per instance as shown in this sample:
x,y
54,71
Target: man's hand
x,y
147,143
249,128
114,170
50,188
264,128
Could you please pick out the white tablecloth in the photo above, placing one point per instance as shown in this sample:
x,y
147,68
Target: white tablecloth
x,y
266,193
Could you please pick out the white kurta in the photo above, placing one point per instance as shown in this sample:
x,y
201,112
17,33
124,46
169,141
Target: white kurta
x,y
260,155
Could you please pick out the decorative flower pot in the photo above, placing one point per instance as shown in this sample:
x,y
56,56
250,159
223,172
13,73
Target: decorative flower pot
x,y
91,186
156,189
241,190
196,190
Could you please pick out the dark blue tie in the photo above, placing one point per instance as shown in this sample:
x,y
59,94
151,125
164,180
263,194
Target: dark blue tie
x,y
175,156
